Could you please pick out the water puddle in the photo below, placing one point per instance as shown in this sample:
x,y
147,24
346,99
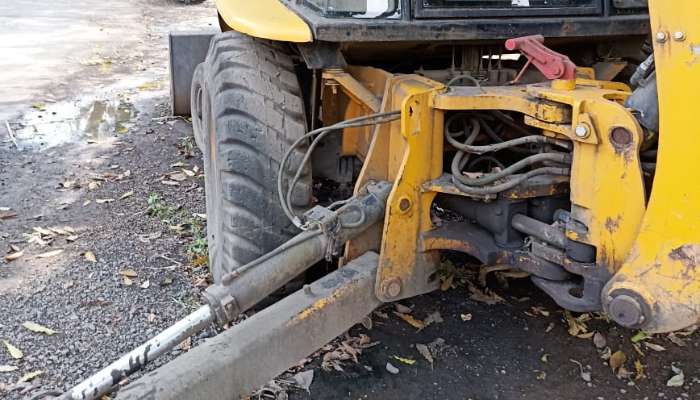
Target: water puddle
x,y
91,120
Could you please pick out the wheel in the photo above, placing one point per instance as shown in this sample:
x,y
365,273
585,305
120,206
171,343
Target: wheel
x,y
247,111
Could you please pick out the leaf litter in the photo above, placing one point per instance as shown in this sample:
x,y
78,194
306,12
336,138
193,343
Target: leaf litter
x,y
34,327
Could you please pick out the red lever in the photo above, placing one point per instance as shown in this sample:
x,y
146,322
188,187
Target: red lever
x,y
552,64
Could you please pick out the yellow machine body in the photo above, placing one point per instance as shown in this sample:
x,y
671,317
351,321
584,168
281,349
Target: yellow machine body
x,y
649,249
661,270
265,19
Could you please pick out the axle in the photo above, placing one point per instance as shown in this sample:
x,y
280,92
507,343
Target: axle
x,y
244,287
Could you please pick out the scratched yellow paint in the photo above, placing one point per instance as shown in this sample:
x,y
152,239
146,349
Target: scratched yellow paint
x,y
663,266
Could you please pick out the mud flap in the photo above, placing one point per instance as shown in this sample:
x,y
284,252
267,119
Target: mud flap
x,y
187,50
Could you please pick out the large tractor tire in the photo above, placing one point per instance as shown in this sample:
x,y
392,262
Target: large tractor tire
x,y
247,110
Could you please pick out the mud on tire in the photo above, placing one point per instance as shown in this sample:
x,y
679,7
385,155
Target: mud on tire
x,y
247,111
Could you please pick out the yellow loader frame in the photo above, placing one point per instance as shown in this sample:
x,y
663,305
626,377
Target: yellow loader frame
x,y
650,249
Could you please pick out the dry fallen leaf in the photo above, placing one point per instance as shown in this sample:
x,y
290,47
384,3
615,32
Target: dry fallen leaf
x,y
178,177
425,352
400,308
42,231
103,201
28,377
128,272
14,256
418,324
34,327
617,359
540,311
90,256
304,379
486,296
128,281
146,284
678,379
14,352
185,344
8,368
407,361
433,318
127,194
599,340
188,172
654,346
48,254
639,368
676,340
7,215
585,375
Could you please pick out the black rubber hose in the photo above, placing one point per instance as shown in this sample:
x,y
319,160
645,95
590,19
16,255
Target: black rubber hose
x,y
506,144
559,158
482,191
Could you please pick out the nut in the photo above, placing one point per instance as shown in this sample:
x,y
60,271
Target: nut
x,y
661,37
582,131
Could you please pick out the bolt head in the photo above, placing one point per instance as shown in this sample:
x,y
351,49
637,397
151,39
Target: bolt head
x,y
392,287
679,36
626,311
582,131
661,37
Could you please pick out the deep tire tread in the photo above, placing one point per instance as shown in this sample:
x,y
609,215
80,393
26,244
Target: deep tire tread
x,y
257,112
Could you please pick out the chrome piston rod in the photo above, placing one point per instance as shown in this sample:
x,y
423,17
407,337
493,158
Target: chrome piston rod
x,y
103,381
247,285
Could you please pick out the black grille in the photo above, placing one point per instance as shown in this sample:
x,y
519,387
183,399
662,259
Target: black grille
x,y
505,8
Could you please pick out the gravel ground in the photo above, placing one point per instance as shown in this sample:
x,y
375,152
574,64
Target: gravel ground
x,y
98,130
97,315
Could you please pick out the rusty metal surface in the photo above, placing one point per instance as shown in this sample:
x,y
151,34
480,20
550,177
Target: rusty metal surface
x,y
248,355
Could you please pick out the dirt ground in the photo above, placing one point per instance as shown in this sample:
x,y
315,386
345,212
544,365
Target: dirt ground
x,y
102,219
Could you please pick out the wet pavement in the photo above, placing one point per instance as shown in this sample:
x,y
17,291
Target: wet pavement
x,y
81,70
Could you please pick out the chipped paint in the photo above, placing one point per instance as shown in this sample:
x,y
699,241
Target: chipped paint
x,y
613,224
688,255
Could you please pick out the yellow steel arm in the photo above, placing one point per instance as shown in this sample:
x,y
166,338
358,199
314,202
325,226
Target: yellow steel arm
x,y
266,19
658,288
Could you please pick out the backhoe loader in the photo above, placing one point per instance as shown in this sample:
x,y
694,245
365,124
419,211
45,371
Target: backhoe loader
x,y
554,137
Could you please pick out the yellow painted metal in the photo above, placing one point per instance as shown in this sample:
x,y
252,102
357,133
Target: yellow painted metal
x,y
415,157
352,93
610,204
663,269
512,98
607,188
266,19
408,153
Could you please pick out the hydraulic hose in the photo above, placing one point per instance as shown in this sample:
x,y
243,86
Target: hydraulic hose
x,y
482,191
559,158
